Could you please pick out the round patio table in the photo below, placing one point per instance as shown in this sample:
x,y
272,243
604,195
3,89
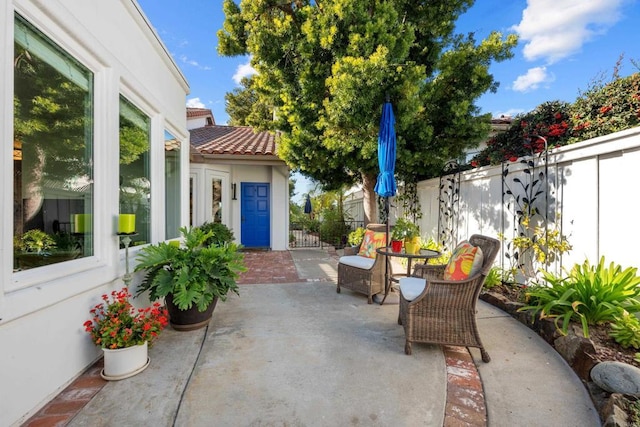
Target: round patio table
x,y
424,254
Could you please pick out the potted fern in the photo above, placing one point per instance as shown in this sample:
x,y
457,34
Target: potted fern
x,y
191,278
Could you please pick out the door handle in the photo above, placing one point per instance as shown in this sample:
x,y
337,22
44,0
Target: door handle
x,y
242,218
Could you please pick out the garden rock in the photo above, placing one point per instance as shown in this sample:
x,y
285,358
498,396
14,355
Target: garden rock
x,y
617,377
579,353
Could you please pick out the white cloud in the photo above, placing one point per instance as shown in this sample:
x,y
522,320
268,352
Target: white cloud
x,y
193,63
195,103
243,70
532,80
554,30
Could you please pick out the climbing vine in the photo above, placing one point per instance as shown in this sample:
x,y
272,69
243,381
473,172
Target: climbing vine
x,y
537,239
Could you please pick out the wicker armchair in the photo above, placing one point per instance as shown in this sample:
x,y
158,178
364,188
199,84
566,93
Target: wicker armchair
x,y
445,312
368,281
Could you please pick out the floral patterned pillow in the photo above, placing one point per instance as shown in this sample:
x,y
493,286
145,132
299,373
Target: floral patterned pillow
x,y
465,262
372,240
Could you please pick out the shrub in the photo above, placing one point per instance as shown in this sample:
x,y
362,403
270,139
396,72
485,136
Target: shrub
x,y
356,236
607,108
333,229
431,244
625,330
494,278
221,233
590,295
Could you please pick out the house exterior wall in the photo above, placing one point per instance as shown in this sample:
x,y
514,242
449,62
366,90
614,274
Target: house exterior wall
x,y
278,178
44,346
197,122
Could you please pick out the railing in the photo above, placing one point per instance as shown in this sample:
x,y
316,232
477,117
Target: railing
x,y
320,234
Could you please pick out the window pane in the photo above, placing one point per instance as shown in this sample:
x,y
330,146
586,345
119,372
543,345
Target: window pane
x,y
172,185
216,201
135,184
52,152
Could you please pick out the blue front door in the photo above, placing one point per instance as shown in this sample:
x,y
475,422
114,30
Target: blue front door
x,y
254,210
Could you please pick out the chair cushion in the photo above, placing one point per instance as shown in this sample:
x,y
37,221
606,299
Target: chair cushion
x,y
465,262
357,261
372,240
412,287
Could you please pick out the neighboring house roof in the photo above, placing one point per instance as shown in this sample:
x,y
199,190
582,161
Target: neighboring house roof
x,y
198,112
239,142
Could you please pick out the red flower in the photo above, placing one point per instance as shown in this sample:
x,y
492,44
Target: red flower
x,y
513,159
117,324
474,163
605,109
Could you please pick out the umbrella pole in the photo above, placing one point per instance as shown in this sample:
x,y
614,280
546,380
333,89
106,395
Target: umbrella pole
x,y
387,283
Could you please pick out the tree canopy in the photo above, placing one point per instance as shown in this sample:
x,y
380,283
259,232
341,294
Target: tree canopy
x,y
327,66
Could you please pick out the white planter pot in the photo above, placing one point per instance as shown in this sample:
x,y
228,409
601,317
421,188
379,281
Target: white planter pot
x,y
126,362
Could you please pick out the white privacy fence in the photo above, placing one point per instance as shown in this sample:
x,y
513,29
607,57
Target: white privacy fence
x,y
591,186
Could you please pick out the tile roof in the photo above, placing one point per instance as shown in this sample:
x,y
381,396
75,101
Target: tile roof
x,y
198,112
238,140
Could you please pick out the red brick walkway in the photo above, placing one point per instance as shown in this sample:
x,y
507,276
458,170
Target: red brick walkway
x,y
268,267
465,406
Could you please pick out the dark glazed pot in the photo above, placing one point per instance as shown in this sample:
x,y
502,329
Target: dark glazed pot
x,y
190,319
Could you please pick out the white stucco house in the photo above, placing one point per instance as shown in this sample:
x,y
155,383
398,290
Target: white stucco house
x,y
95,108
238,179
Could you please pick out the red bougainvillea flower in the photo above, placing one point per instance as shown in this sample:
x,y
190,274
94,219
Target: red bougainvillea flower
x,y
513,159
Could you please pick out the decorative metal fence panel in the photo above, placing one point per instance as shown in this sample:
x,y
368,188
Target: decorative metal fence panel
x,y
321,234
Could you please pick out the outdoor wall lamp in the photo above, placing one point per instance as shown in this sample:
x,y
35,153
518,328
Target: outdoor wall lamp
x,y
233,191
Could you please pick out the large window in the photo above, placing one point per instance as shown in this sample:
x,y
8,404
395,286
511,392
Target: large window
x,y
135,184
172,185
52,152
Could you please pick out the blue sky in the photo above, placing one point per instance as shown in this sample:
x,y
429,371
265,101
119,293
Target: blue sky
x,y
564,45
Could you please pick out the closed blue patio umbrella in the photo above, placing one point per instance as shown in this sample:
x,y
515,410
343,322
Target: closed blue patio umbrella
x,y
307,205
386,183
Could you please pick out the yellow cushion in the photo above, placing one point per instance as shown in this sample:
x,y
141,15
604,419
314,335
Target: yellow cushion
x,y
372,240
465,262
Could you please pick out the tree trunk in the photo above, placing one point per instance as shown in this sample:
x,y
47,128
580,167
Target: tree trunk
x,y
369,199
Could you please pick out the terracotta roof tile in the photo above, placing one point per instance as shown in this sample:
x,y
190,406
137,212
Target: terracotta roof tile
x,y
198,112
238,140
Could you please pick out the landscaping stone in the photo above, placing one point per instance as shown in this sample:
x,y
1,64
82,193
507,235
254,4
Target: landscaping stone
x,y
617,377
579,352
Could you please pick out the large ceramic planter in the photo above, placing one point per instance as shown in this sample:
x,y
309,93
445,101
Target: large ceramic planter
x,y
126,362
190,319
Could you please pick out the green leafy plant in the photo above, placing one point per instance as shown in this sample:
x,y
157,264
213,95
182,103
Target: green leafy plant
x,y
35,241
494,278
404,229
193,273
589,294
431,244
356,236
221,234
625,330
115,323
605,108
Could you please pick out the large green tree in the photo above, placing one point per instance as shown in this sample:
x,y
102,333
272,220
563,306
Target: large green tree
x,y
327,66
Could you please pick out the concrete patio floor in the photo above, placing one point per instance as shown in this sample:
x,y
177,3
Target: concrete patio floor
x,y
299,354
